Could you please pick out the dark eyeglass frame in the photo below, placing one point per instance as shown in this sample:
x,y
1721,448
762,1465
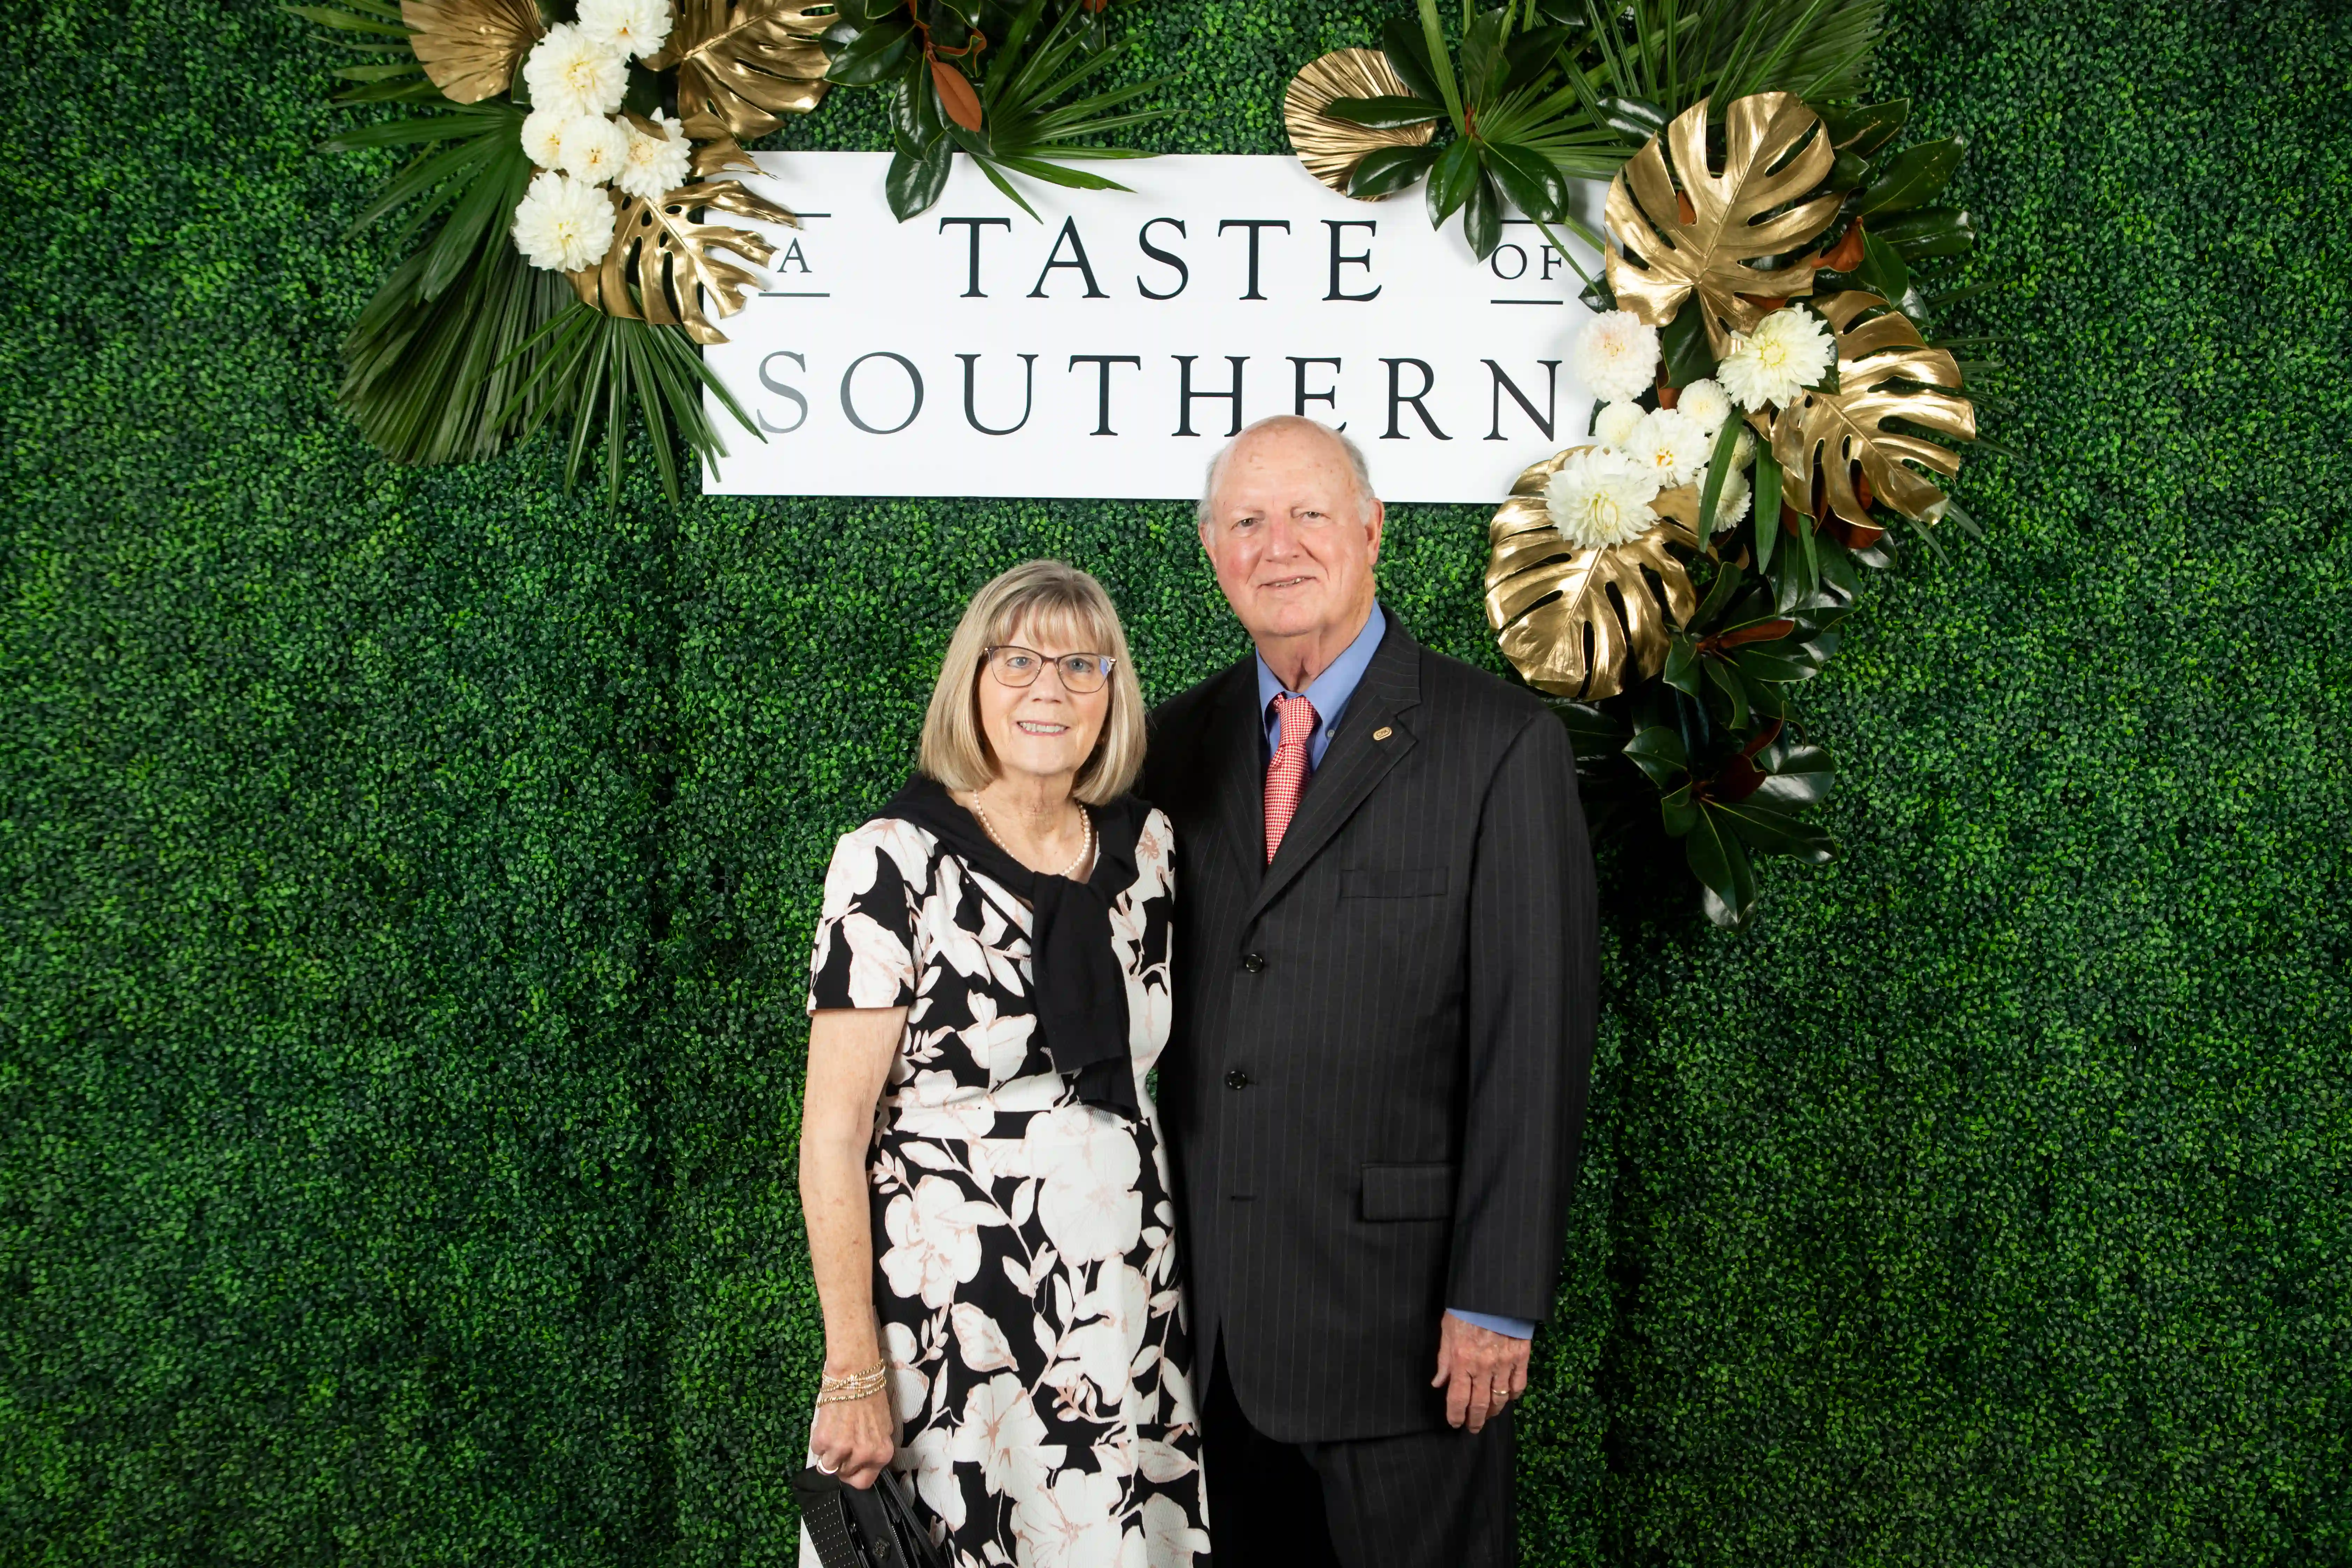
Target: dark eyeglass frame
x,y
1097,669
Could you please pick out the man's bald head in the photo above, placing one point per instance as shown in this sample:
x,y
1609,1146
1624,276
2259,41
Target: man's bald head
x,y
1293,426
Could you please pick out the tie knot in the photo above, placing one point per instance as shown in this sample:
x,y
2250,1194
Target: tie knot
x,y
1298,716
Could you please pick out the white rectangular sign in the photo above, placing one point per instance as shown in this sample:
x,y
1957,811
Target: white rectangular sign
x,y
1108,349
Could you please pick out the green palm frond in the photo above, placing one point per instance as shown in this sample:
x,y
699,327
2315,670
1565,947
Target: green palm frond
x,y
598,369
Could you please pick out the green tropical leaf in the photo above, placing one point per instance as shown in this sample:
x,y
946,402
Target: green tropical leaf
x,y
1386,170
1727,882
1928,233
1917,174
1765,514
1452,171
1864,129
916,179
1408,53
873,54
1528,179
1482,216
1772,831
1657,751
1801,777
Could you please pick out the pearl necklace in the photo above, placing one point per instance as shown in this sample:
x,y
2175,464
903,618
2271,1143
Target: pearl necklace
x,y
1086,850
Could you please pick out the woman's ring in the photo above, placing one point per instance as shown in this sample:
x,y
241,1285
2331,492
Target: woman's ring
x,y
828,1469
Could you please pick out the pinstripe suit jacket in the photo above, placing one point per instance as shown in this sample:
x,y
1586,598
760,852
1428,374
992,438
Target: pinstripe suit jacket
x,y
1376,1082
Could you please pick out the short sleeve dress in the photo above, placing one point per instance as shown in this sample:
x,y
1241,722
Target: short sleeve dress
x,y
1025,1267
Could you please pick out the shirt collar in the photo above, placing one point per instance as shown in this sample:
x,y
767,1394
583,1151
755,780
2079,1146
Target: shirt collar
x,y
1330,690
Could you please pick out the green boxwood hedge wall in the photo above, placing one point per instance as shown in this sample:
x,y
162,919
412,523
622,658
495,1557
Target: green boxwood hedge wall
x,y
409,877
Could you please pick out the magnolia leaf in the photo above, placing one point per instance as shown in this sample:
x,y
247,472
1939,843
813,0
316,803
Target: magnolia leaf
x,y
742,65
1838,429
663,260
956,96
470,48
1331,147
1662,259
1581,623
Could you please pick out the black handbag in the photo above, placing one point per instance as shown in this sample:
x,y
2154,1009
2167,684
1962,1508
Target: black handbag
x,y
874,1528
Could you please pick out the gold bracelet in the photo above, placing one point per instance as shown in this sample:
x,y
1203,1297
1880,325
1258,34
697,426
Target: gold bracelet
x,y
850,1387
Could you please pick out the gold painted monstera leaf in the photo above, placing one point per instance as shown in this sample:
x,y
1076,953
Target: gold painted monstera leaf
x,y
1662,259
742,65
671,258
1579,622
469,48
1837,429
1332,148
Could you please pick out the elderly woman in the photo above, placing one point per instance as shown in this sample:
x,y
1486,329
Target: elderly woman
x,y
987,1200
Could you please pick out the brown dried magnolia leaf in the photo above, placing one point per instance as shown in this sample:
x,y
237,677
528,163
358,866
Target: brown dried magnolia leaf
x,y
1833,430
469,48
1577,623
742,65
1662,259
955,95
1332,148
663,261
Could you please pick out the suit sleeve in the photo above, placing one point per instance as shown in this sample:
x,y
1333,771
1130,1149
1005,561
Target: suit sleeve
x,y
1531,1000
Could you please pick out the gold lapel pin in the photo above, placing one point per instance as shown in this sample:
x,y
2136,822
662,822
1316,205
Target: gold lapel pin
x,y
1382,733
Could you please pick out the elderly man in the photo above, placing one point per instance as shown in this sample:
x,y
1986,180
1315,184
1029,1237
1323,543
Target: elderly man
x,y
1385,976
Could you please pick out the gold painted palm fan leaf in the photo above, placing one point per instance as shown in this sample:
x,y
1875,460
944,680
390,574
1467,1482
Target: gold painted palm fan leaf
x,y
1662,259
742,65
1332,148
1818,438
470,48
1585,623
663,261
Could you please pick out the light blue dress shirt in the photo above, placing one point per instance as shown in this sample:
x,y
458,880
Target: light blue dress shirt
x,y
1330,692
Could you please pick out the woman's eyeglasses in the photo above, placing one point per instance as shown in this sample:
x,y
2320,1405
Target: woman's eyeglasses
x,y
1015,666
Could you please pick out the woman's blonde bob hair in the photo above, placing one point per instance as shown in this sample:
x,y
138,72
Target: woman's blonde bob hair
x,y
1049,600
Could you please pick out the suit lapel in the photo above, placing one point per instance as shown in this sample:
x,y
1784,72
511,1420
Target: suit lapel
x,y
1354,764
1238,736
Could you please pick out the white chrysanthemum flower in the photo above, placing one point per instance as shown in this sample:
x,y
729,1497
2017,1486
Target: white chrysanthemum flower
x,y
1708,405
574,75
1787,352
1614,424
542,137
656,165
1601,498
593,148
1669,444
563,224
629,27
1731,505
1743,451
1617,356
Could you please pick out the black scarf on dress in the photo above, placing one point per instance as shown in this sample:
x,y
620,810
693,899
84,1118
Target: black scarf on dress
x,y
1080,989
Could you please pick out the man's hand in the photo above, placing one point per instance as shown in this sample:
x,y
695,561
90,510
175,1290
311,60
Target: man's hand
x,y
1480,1370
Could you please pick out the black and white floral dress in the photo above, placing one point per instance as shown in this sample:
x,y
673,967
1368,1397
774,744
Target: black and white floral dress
x,y
1025,1267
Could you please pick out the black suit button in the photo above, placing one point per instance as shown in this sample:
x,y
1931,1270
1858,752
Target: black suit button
x,y
1237,1080
1253,962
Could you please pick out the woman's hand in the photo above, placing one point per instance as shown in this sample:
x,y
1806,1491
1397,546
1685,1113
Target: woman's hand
x,y
850,1052
852,1438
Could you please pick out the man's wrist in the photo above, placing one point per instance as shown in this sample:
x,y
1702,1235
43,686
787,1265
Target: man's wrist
x,y
1513,1328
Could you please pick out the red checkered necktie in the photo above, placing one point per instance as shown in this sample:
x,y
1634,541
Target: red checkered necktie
x,y
1285,776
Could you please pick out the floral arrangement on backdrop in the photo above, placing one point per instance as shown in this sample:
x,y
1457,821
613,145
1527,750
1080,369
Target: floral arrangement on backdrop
x,y
560,259
1776,417
1774,420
